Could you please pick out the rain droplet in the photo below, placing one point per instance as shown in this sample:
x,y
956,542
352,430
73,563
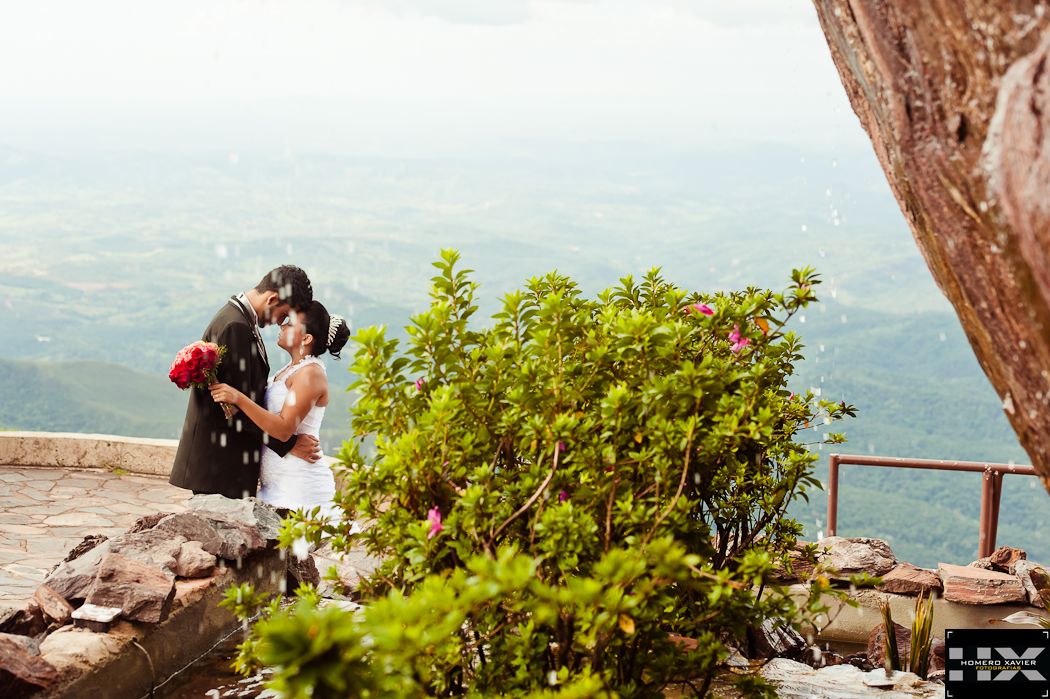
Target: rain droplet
x,y
804,228
222,439
942,337
802,319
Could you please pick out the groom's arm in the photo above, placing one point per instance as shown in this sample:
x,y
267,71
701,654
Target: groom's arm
x,y
282,448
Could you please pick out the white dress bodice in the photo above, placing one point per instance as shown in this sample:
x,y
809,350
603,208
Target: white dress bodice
x,y
277,394
289,481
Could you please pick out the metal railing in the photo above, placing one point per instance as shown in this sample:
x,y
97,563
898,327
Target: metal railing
x,y
991,487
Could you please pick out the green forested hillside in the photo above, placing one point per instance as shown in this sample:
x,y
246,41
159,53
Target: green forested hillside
x,y
88,396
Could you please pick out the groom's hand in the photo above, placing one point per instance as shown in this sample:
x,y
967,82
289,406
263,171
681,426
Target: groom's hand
x,y
307,448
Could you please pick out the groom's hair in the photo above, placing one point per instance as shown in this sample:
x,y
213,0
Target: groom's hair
x,y
291,284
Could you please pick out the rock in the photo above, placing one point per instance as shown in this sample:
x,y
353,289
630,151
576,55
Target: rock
x,y
860,661
143,592
798,569
968,585
250,512
346,567
87,543
236,540
982,563
157,548
75,651
1004,558
304,571
53,605
146,522
876,654
193,561
7,616
72,579
227,537
30,644
815,657
192,527
849,555
947,149
771,640
22,672
906,579
1033,578
24,621
796,680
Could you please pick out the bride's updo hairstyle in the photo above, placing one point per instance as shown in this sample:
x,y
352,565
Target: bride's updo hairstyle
x,y
330,332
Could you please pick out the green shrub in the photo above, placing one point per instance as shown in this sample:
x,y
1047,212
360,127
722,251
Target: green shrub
x,y
585,498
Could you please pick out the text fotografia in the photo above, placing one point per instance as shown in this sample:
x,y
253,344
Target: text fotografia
x,y
976,657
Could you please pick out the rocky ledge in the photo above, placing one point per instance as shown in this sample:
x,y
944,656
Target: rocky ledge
x,y
120,614
1005,577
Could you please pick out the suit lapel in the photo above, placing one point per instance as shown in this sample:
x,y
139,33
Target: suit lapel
x,y
260,345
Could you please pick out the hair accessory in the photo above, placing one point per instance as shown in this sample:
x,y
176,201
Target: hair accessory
x,y
333,327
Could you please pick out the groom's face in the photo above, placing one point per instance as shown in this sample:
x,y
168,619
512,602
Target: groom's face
x,y
274,311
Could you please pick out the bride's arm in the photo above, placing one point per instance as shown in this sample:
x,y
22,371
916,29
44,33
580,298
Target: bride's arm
x,y
308,385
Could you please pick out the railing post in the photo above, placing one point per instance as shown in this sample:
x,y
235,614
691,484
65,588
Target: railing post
x,y
984,538
993,521
833,494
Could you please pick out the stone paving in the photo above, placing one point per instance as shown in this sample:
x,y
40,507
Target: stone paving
x,y
44,512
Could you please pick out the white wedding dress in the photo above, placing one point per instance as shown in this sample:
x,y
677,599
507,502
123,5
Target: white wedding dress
x,y
290,481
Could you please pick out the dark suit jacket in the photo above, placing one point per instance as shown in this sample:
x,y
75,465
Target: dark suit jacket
x,y
217,455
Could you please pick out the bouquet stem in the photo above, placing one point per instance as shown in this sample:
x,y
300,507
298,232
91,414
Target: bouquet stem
x,y
227,409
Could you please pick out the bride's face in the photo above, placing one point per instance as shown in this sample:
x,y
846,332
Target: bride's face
x,y
292,332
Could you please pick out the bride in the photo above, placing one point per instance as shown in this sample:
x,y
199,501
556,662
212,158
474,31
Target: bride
x,y
296,397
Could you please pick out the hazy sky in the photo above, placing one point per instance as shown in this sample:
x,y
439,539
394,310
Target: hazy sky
x,y
688,71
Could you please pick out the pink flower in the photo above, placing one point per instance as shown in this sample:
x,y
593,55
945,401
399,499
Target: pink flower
x,y
738,340
703,308
559,447
434,517
563,496
419,384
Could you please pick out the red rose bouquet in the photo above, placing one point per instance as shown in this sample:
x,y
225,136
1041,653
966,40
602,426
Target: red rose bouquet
x,y
195,366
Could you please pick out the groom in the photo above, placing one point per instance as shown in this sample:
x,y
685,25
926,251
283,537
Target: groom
x,y
220,455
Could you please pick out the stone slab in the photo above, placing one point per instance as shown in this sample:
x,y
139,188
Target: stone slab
x,y
906,579
968,585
